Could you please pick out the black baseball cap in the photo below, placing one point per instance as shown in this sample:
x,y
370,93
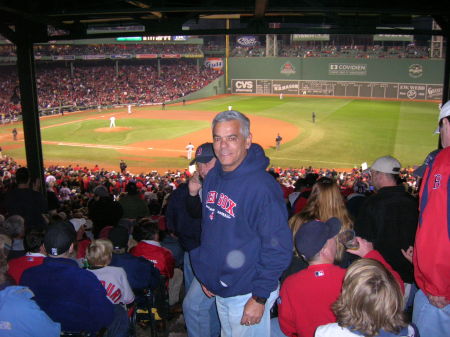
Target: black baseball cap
x,y
59,237
119,237
204,154
312,236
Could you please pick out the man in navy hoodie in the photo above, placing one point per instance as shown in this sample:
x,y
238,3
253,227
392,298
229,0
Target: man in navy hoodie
x,y
246,243
69,295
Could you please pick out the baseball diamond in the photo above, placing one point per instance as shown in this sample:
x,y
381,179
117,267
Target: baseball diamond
x,y
151,139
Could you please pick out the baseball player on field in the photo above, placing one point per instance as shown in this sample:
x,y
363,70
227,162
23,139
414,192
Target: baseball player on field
x,y
190,149
112,122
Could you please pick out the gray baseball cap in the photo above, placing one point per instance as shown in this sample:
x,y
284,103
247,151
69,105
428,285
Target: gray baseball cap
x,y
386,164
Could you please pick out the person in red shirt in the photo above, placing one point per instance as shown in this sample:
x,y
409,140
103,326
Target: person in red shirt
x,y
33,244
431,311
306,297
149,247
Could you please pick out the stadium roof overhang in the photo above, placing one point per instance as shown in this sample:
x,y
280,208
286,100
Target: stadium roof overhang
x,y
25,22
75,19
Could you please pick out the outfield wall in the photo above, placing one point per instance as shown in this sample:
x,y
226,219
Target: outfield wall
x,y
216,87
370,78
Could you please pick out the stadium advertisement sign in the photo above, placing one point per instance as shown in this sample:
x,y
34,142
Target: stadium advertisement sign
x,y
180,38
193,56
405,91
349,69
393,37
243,86
412,91
129,38
434,91
170,56
285,87
121,56
157,38
63,57
215,63
94,57
310,37
146,56
415,70
287,69
247,41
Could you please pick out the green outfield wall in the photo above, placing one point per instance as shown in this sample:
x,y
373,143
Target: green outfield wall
x,y
370,78
216,87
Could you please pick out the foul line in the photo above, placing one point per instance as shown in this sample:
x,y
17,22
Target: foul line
x,y
111,147
75,121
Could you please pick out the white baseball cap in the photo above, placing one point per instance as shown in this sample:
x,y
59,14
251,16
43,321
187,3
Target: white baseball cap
x,y
445,112
386,164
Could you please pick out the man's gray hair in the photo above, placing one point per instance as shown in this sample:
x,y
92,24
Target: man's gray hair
x,y
231,115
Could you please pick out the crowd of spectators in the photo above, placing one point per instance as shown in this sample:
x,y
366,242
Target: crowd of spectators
x,y
306,49
74,184
8,84
100,85
254,51
105,49
116,49
102,201
356,51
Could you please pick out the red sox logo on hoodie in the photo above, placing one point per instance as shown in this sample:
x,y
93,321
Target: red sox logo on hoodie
x,y
223,201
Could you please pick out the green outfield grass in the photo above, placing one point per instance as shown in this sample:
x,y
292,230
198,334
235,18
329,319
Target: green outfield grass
x,y
139,130
347,132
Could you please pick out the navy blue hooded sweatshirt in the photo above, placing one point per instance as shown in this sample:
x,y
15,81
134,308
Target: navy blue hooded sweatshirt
x,y
246,243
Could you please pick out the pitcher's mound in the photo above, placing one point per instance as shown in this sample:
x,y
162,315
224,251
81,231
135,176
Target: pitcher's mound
x,y
122,128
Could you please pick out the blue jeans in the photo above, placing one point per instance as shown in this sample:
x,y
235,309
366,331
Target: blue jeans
x,y
275,330
430,320
230,311
200,313
120,325
187,271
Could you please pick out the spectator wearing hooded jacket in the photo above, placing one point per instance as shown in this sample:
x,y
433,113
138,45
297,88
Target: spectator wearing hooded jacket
x,y
75,298
246,242
20,316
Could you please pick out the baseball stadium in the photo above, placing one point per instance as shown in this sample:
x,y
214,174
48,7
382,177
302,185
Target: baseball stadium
x,y
364,107
212,168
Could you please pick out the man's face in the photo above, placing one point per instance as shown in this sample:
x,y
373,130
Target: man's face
x,y
203,168
445,133
229,144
